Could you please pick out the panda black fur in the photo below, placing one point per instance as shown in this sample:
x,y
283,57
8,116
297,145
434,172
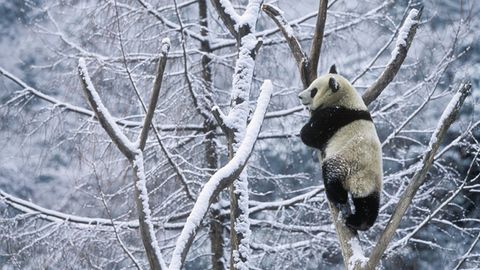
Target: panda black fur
x,y
342,129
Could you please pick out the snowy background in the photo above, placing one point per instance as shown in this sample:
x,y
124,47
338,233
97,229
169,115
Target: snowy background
x,y
63,181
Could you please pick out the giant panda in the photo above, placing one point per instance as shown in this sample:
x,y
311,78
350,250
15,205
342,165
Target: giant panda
x,y
341,127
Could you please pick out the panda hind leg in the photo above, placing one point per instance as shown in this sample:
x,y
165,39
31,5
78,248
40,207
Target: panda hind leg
x,y
338,196
336,193
366,212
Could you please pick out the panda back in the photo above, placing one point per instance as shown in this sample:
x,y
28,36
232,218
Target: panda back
x,y
357,144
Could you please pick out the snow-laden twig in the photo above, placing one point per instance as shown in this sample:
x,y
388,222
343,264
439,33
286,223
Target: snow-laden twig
x,y
399,53
221,179
448,117
155,13
80,222
285,203
380,52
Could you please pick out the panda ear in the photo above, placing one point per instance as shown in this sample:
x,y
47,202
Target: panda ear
x,y
333,69
333,84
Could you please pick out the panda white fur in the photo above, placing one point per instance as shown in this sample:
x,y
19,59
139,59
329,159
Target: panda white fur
x,y
342,129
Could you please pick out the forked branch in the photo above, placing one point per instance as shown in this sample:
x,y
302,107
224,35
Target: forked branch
x,y
133,152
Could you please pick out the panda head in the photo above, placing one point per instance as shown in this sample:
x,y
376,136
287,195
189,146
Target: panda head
x,y
331,90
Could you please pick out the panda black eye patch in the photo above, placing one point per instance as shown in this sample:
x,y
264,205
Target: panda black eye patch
x,y
313,92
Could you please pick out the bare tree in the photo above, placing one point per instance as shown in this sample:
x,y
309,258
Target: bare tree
x,y
196,173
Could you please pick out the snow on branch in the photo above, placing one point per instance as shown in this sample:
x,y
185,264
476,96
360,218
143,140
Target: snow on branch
x,y
102,113
404,40
238,25
448,117
133,152
79,222
221,179
155,258
27,89
228,15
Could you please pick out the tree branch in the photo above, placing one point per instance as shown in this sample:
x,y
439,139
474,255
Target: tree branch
x,y
404,40
277,16
221,179
228,15
103,115
79,221
317,39
447,118
155,92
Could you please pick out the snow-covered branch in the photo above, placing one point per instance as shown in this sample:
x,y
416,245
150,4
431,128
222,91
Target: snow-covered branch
x,y
227,13
277,16
238,25
448,117
221,179
81,222
399,53
104,117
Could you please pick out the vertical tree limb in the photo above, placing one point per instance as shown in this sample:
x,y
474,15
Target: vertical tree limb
x,y
317,39
223,178
242,27
216,220
157,84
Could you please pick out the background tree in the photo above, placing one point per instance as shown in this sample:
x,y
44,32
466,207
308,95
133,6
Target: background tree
x,y
67,193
